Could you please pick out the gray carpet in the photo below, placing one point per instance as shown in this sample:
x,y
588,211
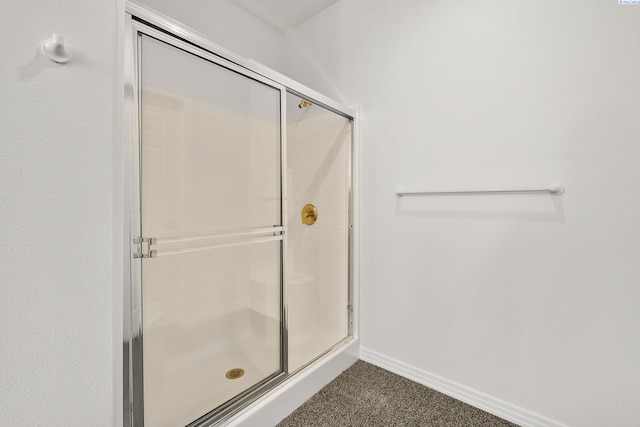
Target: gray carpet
x,y
365,395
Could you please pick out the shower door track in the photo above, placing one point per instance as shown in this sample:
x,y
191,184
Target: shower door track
x,y
140,20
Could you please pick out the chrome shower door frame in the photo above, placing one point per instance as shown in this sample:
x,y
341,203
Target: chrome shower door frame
x,y
140,20
134,384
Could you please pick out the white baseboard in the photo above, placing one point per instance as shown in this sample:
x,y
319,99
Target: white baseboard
x,y
487,403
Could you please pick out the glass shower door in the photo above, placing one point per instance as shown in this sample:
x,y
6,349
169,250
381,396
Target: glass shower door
x,y
318,173
211,222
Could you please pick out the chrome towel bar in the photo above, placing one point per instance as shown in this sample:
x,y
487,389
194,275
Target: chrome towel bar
x,y
554,189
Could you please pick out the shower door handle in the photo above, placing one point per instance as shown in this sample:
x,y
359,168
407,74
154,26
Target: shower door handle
x,y
153,247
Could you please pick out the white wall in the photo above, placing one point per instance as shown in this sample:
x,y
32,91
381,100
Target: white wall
x,y
534,303
529,303
56,273
227,25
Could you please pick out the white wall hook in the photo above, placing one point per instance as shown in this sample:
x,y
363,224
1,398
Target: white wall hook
x,y
55,50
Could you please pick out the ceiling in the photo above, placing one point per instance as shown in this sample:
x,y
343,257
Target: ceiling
x,y
283,15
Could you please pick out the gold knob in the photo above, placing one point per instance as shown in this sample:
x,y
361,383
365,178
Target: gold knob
x,y
309,214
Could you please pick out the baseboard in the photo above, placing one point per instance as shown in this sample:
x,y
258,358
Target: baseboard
x,y
487,403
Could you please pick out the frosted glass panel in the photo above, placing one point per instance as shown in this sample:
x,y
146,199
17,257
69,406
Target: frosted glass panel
x,y
210,176
318,143
210,146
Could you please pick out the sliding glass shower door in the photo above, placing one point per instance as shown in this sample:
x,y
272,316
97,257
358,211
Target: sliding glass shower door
x,y
318,206
211,232
240,221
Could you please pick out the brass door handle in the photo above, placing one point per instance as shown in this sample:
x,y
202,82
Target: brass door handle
x,y
309,214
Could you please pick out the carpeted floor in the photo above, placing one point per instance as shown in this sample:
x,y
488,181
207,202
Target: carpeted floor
x,y
365,395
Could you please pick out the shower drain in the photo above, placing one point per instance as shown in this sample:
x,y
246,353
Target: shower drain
x,y
235,373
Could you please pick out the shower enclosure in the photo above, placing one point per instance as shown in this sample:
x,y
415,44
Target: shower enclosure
x,y
241,230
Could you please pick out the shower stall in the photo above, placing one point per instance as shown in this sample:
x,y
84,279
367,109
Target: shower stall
x,y
241,231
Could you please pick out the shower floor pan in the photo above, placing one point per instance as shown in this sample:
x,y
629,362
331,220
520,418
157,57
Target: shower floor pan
x,y
188,377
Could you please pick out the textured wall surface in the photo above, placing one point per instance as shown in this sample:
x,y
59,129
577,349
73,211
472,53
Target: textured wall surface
x,y
531,300
55,211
